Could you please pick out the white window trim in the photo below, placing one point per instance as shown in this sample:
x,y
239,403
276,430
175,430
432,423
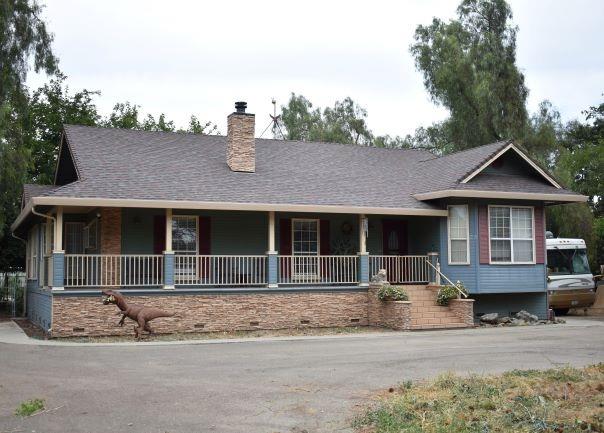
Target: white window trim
x,y
318,221
86,235
511,239
196,217
33,246
467,262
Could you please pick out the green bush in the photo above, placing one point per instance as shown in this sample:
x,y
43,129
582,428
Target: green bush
x,y
392,293
29,407
448,292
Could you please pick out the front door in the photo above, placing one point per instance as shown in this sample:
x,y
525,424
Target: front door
x,y
394,237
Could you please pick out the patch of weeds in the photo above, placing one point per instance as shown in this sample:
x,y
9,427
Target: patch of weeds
x,y
559,400
29,407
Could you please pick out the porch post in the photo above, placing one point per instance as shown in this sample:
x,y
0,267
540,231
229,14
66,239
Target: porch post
x,y
363,254
272,259
48,253
433,259
58,255
169,254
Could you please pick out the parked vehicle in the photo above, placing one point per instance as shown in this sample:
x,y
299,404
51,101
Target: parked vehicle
x,y
570,283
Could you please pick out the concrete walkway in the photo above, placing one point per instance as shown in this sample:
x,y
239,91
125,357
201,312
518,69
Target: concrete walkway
x,y
269,385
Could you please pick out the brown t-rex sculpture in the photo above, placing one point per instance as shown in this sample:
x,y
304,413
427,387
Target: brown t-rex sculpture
x,y
139,313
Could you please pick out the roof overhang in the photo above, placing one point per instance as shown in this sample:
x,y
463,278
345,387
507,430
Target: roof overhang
x,y
215,205
523,155
473,193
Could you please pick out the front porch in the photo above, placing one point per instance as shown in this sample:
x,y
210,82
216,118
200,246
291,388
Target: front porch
x,y
130,248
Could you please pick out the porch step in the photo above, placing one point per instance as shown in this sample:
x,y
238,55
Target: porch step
x,y
426,313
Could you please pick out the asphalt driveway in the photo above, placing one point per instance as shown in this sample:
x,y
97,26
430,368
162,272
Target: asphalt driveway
x,y
261,386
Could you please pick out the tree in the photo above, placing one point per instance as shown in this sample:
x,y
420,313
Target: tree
x,y
583,156
24,40
50,107
345,122
469,67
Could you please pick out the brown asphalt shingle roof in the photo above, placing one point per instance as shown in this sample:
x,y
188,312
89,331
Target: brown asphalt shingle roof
x,y
127,164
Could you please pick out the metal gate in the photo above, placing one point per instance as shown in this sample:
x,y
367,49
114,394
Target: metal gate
x,y
12,289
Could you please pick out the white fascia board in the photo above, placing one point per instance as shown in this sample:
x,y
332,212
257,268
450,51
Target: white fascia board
x,y
181,204
472,193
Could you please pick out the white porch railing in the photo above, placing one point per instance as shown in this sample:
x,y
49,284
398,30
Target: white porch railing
x,y
401,269
318,270
113,270
213,270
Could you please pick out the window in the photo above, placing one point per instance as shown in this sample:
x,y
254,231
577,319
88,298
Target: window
x,y
567,262
90,235
184,234
459,229
511,234
305,240
74,239
32,253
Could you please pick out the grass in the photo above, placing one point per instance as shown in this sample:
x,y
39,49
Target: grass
x,y
562,400
29,407
230,334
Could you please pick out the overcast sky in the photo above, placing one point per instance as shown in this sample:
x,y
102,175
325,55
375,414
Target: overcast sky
x,y
191,57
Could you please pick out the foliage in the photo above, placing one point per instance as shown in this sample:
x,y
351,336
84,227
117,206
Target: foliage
x,y
563,399
29,407
345,123
392,293
583,156
448,292
469,67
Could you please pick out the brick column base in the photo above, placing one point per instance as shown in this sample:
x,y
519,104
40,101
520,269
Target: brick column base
x,y
464,309
388,314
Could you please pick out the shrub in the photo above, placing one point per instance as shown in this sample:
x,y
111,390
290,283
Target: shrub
x,y
29,407
448,292
392,293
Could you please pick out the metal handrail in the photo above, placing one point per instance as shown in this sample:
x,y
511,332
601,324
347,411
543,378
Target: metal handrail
x,y
437,269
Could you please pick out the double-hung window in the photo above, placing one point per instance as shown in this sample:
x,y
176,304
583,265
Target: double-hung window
x,y
184,242
459,230
32,253
511,234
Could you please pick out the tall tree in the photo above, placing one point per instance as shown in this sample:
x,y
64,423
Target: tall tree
x,y
24,41
469,67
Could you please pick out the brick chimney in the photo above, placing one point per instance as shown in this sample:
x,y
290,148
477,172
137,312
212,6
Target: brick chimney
x,y
241,148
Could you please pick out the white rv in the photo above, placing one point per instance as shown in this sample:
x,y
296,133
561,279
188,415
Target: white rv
x,y
570,283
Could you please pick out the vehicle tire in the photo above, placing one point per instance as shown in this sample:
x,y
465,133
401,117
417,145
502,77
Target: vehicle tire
x,y
561,311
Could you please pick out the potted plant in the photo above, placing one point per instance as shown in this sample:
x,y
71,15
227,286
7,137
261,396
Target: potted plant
x,y
448,292
392,293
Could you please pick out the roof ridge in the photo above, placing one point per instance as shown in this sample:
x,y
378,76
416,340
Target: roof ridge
x,y
502,143
185,133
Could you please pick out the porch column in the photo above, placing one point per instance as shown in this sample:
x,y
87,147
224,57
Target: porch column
x,y
272,259
169,258
47,261
363,254
58,255
433,259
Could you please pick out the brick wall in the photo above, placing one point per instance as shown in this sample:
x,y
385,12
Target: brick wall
x,y
87,316
111,230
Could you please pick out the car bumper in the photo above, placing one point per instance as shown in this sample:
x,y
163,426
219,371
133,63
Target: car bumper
x,y
580,298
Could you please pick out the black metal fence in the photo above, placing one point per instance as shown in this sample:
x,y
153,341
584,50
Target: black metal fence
x,y
12,289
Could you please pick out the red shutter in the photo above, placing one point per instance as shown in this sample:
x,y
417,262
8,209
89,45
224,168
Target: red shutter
x,y
539,234
483,233
325,239
285,237
159,234
205,236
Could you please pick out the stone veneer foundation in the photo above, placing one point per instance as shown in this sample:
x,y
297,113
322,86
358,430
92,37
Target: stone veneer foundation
x,y
83,314
87,316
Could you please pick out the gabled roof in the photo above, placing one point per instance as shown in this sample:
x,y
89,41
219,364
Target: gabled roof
x,y
464,174
129,168
33,190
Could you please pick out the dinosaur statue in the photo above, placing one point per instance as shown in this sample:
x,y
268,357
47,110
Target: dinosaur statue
x,y
139,313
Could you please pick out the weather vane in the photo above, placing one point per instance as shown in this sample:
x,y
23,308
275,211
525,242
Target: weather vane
x,y
275,123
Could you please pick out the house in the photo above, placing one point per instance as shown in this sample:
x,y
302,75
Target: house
x,y
238,232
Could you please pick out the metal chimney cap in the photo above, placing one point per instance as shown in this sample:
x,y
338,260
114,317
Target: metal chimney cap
x,y
240,106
